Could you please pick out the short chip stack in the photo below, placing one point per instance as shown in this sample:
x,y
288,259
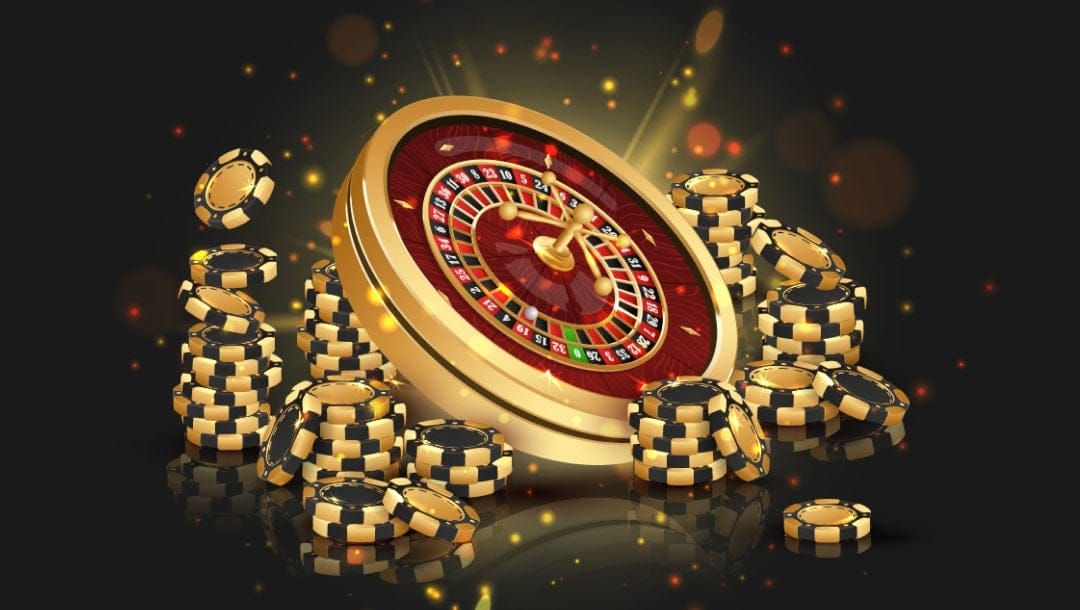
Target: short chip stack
x,y
691,430
719,204
215,489
466,459
333,341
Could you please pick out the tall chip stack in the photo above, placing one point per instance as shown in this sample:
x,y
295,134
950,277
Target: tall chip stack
x,y
692,430
718,204
333,341
228,360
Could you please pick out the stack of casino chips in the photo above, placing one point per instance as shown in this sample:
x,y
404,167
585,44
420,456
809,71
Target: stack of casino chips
x,y
219,490
692,430
466,459
228,360
719,204
333,341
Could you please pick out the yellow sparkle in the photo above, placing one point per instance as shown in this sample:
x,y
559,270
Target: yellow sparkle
x,y
296,305
907,251
314,178
380,117
504,418
907,307
463,392
388,26
640,541
515,538
369,79
159,341
374,297
533,467
248,70
547,517
688,71
335,240
294,257
258,587
611,104
674,149
661,518
387,323
675,82
433,593
457,63
609,85
485,590
286,154
577,561
576,420
566,101
690,98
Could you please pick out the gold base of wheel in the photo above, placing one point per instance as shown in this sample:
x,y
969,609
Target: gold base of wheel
x,y
544,247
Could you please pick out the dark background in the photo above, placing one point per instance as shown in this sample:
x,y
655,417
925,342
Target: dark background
x,y
907,79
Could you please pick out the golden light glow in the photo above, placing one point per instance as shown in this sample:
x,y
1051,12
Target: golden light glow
x,y
688,72
690,98
369,79
380,117
296,305
387,323
612,104
286,154
515,538
433,593
159,341
609,85
708,31
248,70
547,517
374,297
314,178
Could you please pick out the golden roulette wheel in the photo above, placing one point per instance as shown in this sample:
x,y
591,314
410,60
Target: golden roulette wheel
x,y
520,274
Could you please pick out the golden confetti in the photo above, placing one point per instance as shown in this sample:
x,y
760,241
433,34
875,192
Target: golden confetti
x,y
690,331
446,148
547,517
380,117
648,237
296,305
688,72
286,154
313,178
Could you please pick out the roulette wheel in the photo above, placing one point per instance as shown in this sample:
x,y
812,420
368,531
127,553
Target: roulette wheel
x,y
520,274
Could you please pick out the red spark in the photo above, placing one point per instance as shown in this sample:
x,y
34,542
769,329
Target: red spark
x,y
554,56
305,139
384,56
835,178
674,581
500,48
593,47
921,391
293,75
549,149
734,148
134,311
961,364
989,287
771,546
134,365
455,57
838,103
680,290
786,49
515,232
178,131
769,582
529,491
545,41
793,481
401,89
902,447
839,230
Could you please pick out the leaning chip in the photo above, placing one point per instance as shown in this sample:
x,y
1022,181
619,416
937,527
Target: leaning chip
x,y
687,398
431,511
210,341
429,559
714,190
797,253
325,278
857,439
385,427
467,475
861,393
289,442
359,532
681,476
651,426
461,490
827,550
771,326
453,442
832,345
797,302
209,366
346,500
343,402
233,310
232,188
827,520
652,457
268,378
738,440
233,266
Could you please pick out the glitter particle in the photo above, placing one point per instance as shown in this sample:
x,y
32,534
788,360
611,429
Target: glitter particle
x,y
369,79
609,85
248,70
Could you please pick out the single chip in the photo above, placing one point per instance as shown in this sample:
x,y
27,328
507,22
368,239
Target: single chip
x,y
341,318
210,341
797,253
861,393
233,310
681,476
371,461
739,272
827,550
311,472
225,442
289,442
333,332
770,326
363,362
310,344
467,475
240,425
687,398
233,187
386,372
856,440
359,532
346,500
453,442
185,407
325,301
429,559
325,278
745,287
703,220
653,427
652,457
851,357
461,490
360,554
233,266
678,446
385,427
730,253
431,511
343,402
797,302
791,434
738,439
269,378
827,520
209,366
714,190
209,396
832,345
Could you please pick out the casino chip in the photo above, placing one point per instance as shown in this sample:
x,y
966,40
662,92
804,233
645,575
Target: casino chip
x,y
353,449
461,490
429,559
861,393
431,511
714,190
797,253
232,188
214,342
310,472
209,366
677,446
185,407
856,440
795,434
740,523
270,377
744,287
827,520
453,442
347,500
500,468
325,278
653,427
359,532
310,344
360,554
704,220
322,300
363,362
851,358
341,318
329,331
827,550
343,402
782,392
681,476
209,396
771,326
797,303
224,441
233,310
385,372
233,266
289,442
286,525
738,440
371,461
239,425
652,457
729,254
382,428
686,398
833,345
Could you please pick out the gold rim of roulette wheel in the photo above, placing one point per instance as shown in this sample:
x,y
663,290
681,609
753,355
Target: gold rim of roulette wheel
x,y
522,275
